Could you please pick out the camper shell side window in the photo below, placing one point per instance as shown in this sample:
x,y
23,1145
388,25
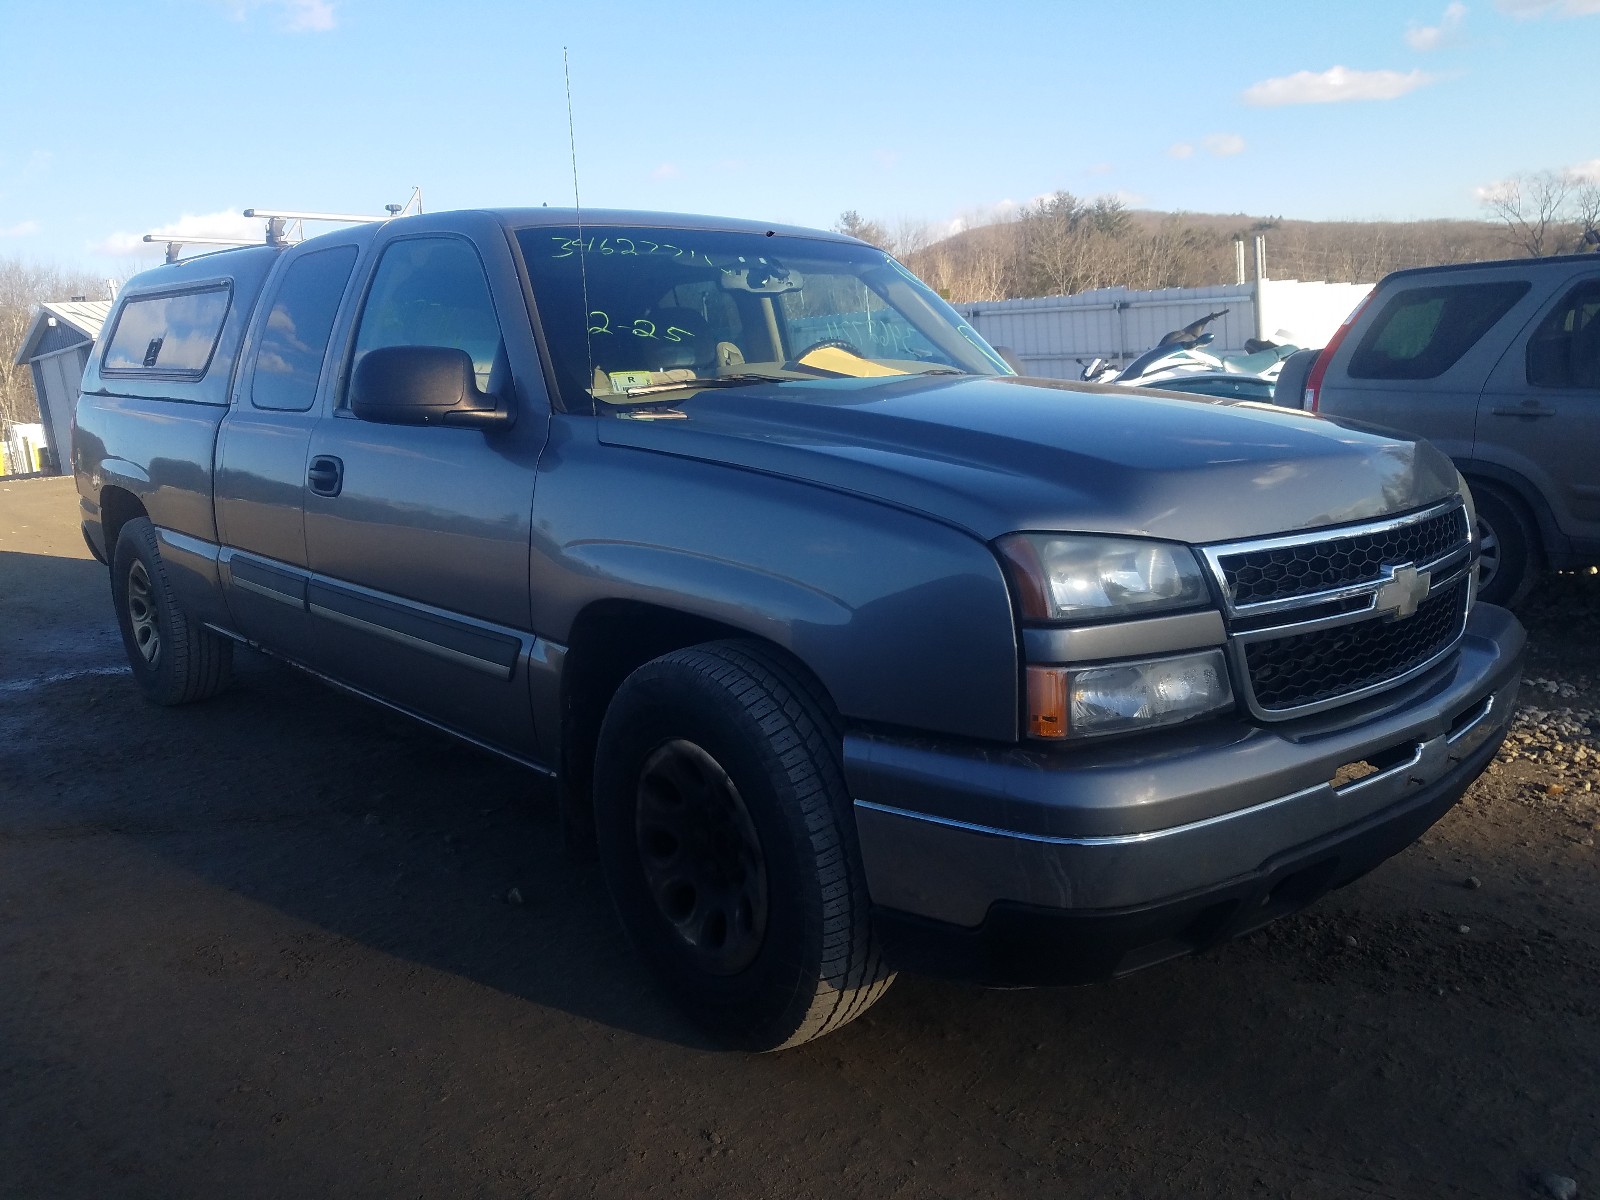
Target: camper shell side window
x,y
170,335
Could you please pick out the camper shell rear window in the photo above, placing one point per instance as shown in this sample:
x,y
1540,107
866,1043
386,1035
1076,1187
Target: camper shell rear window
x,y
172,334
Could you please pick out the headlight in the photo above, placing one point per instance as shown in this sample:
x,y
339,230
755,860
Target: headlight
x,y
1059,578
1079,701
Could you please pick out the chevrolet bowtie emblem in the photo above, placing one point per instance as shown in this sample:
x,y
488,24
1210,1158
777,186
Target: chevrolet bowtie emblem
x,y
1404,589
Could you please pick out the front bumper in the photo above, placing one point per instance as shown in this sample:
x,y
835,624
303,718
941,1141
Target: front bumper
x,y
1022,866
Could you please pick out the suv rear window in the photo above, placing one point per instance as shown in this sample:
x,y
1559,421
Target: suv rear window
x,y
174,333
1421,333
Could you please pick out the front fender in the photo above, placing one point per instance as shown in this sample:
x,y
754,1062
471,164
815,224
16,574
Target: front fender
x,y
906,621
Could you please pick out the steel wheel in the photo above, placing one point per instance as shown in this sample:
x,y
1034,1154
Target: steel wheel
x,y
1508,548
142,614
174,658
701,857
725,831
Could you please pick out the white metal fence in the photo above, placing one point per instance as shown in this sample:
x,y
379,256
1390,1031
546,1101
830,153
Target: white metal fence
x,y
1050,334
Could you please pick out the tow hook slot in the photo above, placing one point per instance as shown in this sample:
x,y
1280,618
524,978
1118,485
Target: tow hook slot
x,y
1352,774
1416,764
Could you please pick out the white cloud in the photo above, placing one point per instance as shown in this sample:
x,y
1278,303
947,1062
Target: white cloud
x,y
665,172
1502,189
1218,145
1100,168
21,229
1435,37
1525,9
315,16
294,16
986,214
225,224
1334,85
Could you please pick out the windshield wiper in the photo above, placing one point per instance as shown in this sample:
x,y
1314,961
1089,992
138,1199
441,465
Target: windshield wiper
x,y
715,381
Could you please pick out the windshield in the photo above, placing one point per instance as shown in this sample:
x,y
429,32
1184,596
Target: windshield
x,y
673,310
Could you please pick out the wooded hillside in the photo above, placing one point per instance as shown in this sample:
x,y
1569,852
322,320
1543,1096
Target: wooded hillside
x,y
1064,244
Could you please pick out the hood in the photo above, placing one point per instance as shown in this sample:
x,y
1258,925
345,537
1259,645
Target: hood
x,y
998,455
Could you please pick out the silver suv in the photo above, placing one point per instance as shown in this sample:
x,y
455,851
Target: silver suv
x,y
1498,364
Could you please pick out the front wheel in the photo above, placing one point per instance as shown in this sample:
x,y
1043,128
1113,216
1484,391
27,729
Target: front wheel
x,y
1508,549
727,841
175,660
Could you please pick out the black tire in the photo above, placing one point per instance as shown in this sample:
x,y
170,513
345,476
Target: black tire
x,y
174,659
727,841
1508,563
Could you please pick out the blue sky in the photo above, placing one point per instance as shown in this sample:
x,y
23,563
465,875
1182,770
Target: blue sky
x,y
135,117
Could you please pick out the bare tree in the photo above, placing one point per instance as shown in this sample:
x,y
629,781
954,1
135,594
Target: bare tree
x,y
1053,241
979,263
910,236
1530,207
853,224
1586,211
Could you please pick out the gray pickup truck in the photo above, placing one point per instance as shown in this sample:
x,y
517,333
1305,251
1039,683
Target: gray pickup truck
x,y
849,649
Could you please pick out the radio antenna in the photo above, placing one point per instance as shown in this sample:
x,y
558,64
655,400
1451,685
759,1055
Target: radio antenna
x,y
577,207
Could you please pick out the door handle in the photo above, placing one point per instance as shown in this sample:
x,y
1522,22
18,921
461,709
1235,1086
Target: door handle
x,y
326,475
1524,410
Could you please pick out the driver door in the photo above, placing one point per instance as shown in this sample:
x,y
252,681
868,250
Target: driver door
x,y
417,536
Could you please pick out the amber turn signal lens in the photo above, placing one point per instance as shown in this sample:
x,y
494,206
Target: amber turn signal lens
x,y
1047,702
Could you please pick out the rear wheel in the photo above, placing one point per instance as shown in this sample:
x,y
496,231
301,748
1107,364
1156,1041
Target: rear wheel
x,y
174,659
1508,548
727,841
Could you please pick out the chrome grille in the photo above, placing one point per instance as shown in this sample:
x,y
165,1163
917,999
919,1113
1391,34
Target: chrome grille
x,y
1277,572
1317,620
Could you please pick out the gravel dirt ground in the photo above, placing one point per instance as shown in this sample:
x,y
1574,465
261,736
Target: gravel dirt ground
x,y
262,947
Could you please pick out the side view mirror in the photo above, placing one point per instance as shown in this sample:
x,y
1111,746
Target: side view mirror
x,y
423,385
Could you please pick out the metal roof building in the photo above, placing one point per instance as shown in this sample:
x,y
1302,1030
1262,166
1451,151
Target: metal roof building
x,y
56,347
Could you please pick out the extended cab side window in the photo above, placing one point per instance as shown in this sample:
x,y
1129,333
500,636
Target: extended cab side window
x,y
432,291
1422,332
174,333
295,339
1564,352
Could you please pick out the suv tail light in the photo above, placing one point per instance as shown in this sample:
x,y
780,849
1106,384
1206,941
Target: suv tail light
x,y
1320,368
